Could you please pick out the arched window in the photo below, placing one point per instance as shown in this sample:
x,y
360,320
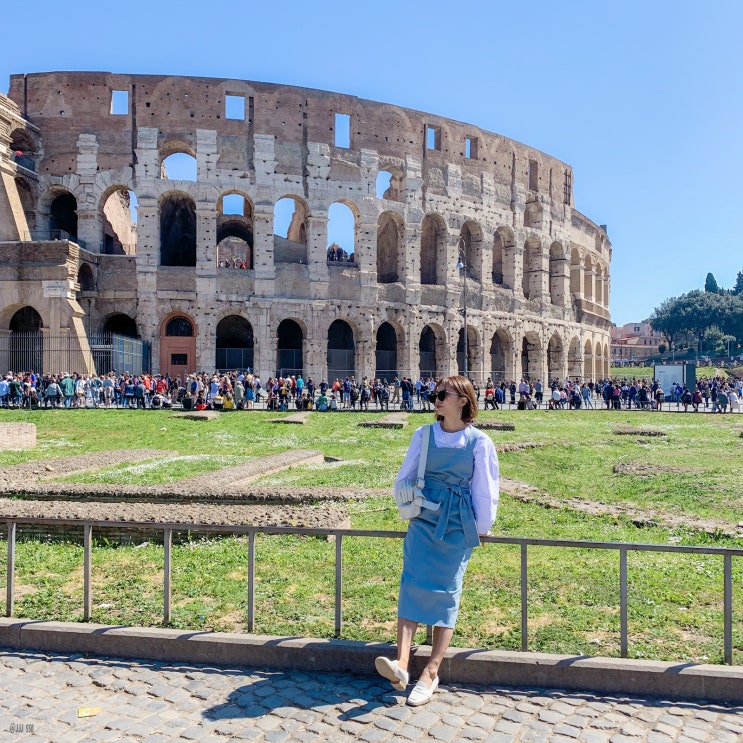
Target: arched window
x,y
234,232
289,343
341,351
341,233
25,344
180,166
290,225
234,344
433,248
63,217
389,247
121,324
386,352
85,278
120,223
177,230
427,353
179,326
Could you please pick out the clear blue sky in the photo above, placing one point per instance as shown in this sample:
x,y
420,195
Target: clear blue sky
x,y
643,99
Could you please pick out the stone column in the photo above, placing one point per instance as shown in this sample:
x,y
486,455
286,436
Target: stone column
x,y
89,216
263,250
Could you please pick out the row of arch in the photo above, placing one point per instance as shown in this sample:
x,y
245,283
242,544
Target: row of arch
x,y
486,261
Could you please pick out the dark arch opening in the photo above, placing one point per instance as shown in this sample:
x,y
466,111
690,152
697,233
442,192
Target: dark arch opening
x,y
235,245
427,351
341,351
289,342
63,215
177,231
25,347
386,353
235,344
85,278
121,324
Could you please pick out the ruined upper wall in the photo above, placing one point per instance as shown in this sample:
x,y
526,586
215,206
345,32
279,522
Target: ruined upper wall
x,y
63,104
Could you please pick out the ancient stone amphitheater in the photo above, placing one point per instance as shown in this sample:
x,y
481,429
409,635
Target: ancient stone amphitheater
x,y
233,224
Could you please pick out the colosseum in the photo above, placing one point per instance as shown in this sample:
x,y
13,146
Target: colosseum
x,y
221,224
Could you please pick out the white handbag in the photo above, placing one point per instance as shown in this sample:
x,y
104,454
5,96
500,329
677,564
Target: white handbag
x,y
408,496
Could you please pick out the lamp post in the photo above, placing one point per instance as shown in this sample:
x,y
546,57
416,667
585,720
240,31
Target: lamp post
x,y
462,265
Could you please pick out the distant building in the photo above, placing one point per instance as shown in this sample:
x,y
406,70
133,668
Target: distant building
x,y
634,342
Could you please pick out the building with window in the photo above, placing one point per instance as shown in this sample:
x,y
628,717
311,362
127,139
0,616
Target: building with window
x,y
233,224
634,342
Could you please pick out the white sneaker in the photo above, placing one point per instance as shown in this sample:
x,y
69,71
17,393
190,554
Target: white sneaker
x,y
422,694
389,669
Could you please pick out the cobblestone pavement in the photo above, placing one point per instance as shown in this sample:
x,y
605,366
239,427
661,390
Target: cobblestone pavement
x,y
69,698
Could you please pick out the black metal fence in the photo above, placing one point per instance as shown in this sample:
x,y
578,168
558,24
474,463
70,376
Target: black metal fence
x,y
57,353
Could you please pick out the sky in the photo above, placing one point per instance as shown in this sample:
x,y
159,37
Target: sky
x,y
644,100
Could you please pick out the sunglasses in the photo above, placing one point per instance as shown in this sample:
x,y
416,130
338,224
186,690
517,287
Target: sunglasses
x,y
441,394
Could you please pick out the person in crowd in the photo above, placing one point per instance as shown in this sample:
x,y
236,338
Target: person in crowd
x,y
461,499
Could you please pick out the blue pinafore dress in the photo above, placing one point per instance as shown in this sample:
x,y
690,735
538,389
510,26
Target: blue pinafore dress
x,y
438,544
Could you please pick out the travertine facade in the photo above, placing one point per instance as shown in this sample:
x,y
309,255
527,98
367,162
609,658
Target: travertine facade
x,y
76,147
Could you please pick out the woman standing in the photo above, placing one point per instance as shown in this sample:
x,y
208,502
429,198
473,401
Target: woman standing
x,y
461,492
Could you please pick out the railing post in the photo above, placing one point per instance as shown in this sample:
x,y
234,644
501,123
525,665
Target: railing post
x,y
338,584
10,579
251,581
728,608
87,554
524,600
623,601
167,568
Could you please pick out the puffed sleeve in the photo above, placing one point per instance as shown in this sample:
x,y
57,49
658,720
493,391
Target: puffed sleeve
x,y
409,469
485,488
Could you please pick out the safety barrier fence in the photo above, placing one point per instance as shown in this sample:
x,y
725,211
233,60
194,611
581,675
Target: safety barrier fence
x,y
339,535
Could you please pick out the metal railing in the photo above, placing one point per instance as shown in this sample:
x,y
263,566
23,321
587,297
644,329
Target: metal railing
x,y
622,549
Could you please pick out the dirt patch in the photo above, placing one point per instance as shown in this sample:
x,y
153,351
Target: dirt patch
x,y
632,431
648,470
520,446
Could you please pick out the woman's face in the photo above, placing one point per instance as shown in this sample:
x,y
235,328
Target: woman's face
x,y
451,406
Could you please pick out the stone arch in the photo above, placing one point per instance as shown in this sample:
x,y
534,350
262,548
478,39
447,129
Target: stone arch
x,y
177,229
470,243
179,158
502,271
501,352
531,355
117,206
25,345
432,351
473,344
588,279
556,277
290,335
343,223
290,229
574,359
390,251
234,344
555,358
598,361
588,370
121,324
390,184
86,278
576,273
434,238
234,230
387,343
177,345
532,273
63,216
341,350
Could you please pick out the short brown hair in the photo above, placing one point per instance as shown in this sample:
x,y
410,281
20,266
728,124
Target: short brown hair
x,y
464,388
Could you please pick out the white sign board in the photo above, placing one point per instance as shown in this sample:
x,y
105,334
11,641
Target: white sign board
x,y
669,375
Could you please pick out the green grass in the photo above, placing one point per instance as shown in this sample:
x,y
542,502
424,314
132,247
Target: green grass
x,y
675,607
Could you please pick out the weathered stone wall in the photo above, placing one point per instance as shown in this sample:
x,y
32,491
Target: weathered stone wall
x,y
538,287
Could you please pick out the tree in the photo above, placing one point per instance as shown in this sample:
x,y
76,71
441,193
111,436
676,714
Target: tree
x,y
710,285
738,287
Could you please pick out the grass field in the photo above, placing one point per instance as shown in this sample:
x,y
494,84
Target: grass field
x,y
675,608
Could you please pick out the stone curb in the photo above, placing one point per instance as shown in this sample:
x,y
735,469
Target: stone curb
x,y
689,681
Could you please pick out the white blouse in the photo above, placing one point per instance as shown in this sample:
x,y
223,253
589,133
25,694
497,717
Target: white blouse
x,y
484,484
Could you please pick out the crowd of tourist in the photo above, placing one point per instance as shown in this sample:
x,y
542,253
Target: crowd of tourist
x,y
245,391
